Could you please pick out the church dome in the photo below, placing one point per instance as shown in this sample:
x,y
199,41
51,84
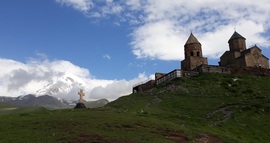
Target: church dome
x,y
236,35
192,40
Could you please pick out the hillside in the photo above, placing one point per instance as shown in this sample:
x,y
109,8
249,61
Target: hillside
x,y
235,108
96,104
206,108
6,109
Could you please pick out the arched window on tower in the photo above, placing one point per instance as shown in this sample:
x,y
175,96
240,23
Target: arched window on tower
x,y
198,54
191,53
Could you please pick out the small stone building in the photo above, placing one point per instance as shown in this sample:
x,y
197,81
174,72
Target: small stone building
x,y
239,56
140,87
193,54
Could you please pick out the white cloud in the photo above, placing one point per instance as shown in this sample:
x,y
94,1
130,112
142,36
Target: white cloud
x,y
109,8
116,88
106,56
81,5
109,1
162,27
151,40
167,25
134,4
58,78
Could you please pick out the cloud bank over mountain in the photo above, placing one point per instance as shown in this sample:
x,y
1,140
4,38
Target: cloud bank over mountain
x,y
162,27
59,78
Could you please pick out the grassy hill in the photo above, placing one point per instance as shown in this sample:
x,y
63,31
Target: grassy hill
x,y
6,109
96,104
206,108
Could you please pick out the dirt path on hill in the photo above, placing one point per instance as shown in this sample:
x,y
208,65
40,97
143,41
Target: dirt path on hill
x,y
225,111
94,138
206,138
202,138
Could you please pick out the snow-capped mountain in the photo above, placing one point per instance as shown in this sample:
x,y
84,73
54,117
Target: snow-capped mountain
x,y
49,102
61,87
38,101
57,93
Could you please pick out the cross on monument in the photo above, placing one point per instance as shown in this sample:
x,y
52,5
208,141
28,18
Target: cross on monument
x,y
81,94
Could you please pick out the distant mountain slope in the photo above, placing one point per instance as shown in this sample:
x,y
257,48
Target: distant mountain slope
x,y
39,101
49,102
5,105
6,108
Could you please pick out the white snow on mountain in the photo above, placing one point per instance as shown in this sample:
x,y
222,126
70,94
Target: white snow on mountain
x,y
60,85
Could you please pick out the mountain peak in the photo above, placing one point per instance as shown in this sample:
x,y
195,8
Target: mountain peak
x,y
61,86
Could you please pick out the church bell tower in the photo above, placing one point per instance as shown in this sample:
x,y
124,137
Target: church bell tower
x,y
193,54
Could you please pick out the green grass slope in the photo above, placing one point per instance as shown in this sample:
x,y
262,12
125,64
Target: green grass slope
x,y
6,109
207,108
234,108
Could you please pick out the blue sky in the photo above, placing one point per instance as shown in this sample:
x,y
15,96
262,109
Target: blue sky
x,y
60,32
34,27
109,43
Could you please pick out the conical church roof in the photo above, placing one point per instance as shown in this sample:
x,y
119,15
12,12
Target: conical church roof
x,y
236,35
192,40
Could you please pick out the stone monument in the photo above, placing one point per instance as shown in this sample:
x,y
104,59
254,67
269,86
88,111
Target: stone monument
x,y
80,104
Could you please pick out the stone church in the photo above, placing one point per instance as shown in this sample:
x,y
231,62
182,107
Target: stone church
x,y
238,60
239,56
